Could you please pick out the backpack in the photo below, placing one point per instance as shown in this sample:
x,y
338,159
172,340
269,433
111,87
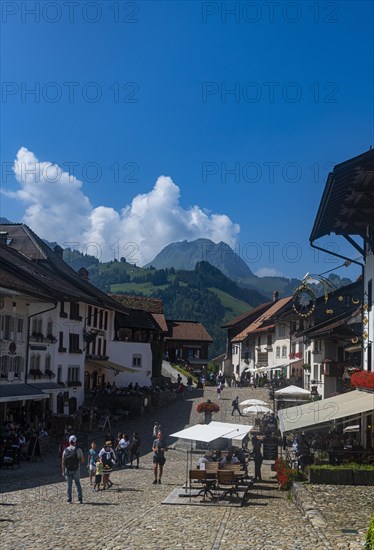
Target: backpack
x,y
234,403
71,460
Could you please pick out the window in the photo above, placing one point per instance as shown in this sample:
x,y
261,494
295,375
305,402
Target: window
x,y
93,347
59,374
105,320
37,325
136,360
17,366
4,366
74,343
35,361
62,310
277,351
95,317
73,374
284,351
19,326
74,311
89,315
259,341
99,346
104,347
269,340
282,331
101,318
47,362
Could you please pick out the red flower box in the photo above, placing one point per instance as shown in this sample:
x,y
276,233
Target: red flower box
x,y
207,407
363,379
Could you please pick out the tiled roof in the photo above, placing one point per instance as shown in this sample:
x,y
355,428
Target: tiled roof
x,y
153,305
263,322
187,330
161,321
250,313
29,245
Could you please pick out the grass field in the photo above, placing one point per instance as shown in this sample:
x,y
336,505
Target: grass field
x,y
237,306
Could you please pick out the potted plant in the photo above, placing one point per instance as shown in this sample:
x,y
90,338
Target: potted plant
x,y
49,373
51,338
36,373
363,379
207,408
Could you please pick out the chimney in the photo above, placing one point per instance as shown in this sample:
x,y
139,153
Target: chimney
x,y
58,251
275,296
83,274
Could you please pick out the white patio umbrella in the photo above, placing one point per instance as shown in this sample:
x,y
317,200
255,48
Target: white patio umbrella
x,y
256,409
252,402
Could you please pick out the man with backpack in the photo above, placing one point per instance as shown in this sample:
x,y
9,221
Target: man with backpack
x,y
72,457
235,406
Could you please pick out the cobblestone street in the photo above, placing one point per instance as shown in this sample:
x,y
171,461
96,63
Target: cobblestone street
x,y
34,512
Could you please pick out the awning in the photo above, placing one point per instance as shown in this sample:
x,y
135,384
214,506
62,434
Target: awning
x,y
20,392
212,431
326,410
273,367
354,428
48,387
109,365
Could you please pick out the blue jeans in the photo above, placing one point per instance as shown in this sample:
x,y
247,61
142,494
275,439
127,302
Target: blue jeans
x,y
70,476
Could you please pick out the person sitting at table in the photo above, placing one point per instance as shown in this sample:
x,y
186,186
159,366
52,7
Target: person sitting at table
x,y
230,458
217,456
207,457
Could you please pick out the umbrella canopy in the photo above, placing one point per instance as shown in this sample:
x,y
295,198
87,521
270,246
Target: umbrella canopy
x,y
256,409
249,402
292,391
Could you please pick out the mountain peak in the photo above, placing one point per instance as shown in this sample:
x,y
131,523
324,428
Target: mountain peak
x,y
186,254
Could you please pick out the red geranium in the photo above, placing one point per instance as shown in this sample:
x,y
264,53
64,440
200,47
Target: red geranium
x,y
363,379
207,407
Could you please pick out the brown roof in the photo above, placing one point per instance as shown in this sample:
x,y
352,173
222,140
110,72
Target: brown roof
x,y
62,278
257,325
161,321
250,313
153,305
188,330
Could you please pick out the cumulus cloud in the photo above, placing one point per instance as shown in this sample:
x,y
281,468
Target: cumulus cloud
x,y
57,209
269,272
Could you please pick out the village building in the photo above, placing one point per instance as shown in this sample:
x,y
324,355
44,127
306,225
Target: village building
x,y
187,342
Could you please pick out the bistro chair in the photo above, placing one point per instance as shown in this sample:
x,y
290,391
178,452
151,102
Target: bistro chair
x,y
227,483
198,480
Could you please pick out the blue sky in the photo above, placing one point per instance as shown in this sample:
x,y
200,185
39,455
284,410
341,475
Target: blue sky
x,y
243,114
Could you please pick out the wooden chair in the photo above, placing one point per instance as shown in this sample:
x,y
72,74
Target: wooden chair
x,y
198,480
227,483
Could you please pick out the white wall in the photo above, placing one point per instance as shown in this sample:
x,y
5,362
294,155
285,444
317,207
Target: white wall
x,y
122,354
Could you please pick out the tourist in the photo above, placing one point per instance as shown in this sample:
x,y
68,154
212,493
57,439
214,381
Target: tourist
x,y
108,457
230,458
257,457
219,390
159,447
235,406
135,449
189,383
203,460
92,456
123,449
72,457
99,473
156,429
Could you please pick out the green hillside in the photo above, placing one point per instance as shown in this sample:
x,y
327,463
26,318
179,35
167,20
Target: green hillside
x,y
234,306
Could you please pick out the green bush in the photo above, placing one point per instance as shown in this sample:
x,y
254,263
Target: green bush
x,y
369,544
348,466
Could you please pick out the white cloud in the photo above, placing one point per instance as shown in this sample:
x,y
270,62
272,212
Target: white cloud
x,y
57,209
269,272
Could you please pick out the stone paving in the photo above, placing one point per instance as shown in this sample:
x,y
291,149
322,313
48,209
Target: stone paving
x,y
34,512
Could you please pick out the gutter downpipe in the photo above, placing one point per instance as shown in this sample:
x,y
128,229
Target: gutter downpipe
x,y
28,337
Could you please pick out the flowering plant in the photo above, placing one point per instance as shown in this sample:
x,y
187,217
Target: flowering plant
x,y
207,407
286,475
363,379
